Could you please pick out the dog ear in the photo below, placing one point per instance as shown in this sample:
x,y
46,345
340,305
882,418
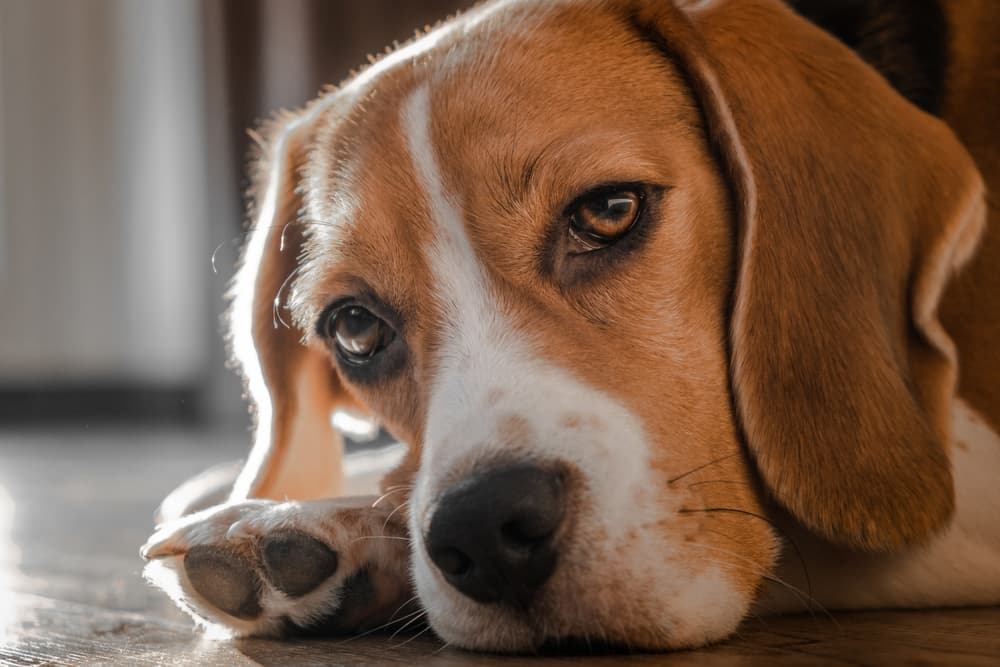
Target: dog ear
x,y
296,454
852,209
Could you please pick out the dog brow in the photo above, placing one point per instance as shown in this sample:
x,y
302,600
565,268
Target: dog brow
x,y
452,258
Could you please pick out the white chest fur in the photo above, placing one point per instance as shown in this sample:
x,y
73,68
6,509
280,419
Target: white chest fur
x,y
961,566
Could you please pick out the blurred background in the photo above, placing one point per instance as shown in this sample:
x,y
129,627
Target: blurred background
x,y
123,138
122,144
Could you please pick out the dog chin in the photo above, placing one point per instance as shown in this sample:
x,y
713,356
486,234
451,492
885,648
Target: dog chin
x,y
461,622
693,610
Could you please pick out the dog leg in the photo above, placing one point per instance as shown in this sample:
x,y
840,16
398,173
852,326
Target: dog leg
x,y
266,568
206,489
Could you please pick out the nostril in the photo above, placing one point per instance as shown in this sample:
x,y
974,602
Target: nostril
x,y
525,534
453,562
492,536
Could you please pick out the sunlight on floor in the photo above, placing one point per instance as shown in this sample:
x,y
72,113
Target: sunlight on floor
x,y
10,560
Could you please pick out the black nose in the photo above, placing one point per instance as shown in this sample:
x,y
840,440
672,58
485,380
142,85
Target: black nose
x,y
492,534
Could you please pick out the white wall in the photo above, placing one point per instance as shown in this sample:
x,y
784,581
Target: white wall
x,y
104,239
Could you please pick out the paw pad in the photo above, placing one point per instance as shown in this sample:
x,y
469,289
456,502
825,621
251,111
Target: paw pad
x,y
225,579
297,563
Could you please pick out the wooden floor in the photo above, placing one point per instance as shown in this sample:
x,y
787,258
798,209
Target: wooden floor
x,y
75,506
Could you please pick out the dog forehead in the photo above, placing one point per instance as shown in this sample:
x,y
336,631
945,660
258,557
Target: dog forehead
x,y
497,63
483,69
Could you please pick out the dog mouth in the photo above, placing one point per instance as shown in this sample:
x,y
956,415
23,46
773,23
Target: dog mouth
x,y
535,524
522,558
492,545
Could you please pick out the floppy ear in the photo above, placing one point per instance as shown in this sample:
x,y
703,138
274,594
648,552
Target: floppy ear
x,y
852,209
296,454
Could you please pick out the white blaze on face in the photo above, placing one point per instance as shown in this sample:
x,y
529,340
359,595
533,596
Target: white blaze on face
x,y
245,282
486,373
493,398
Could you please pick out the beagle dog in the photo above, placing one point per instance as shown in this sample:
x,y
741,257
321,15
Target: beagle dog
x,y
683,310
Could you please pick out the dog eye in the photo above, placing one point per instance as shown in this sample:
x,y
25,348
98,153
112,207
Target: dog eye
x,y
602,216
358,334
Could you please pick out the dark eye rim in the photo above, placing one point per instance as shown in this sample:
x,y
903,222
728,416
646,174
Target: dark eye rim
x,y
385,339
596,242
571,270
347,361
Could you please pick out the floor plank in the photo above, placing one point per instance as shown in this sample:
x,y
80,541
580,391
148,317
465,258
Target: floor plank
x,y
74,506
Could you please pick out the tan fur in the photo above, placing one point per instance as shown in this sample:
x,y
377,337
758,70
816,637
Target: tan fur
x,y
971,308
682,272
854,205
784,301
298,454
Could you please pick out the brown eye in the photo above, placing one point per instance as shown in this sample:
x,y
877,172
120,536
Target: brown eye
x,y
358,334
603,216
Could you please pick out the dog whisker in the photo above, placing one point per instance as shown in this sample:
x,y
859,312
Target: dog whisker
x,y
411,599
284,230
415,619
754,567
406,620
389,516
391,490
276,304
392,621
444,645
381,537
215,253
702,467
419,634
715,481
778,529
317,222
811,604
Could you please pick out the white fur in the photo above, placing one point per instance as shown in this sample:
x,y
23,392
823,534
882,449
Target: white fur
x,y
248,520
246,279
481,352
486,374
961,566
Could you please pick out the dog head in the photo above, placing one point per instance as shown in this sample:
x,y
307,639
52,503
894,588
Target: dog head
x,y
620,274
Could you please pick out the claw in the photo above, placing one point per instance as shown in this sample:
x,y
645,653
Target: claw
x,y
160,546
241,530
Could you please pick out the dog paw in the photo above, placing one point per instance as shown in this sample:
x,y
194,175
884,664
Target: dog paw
x,y
264,568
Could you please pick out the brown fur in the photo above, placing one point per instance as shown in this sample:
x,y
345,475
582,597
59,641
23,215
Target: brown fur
x,y
826,328
302,390
785,297
837,362
971,307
